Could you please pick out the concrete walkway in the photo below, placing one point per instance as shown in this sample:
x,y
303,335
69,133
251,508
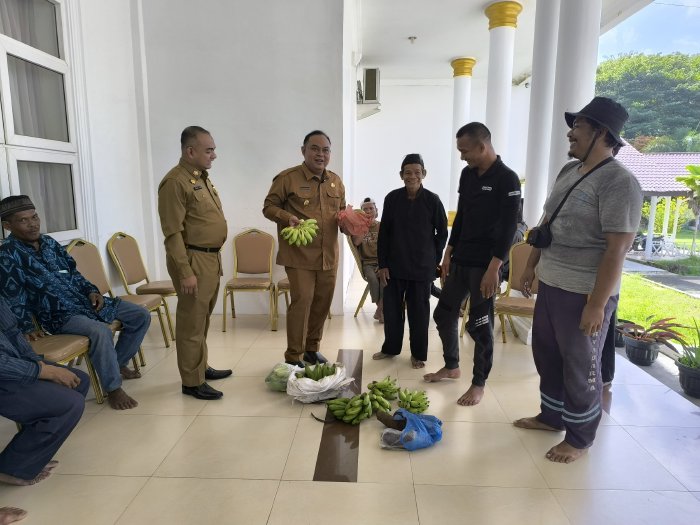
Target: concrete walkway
x,y
689,285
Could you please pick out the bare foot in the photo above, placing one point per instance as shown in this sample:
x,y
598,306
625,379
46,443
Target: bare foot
x,y
532,423
382,355
11,480
443,373
11,515
120,400
472,396
389,420
564,453
51,465
128,373
417,363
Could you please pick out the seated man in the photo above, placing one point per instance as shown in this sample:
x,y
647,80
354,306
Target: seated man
x,y
46,399
40,280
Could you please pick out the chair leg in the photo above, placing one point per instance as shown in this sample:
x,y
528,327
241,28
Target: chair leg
x,y
162,327
223,323
275,309
362,301
135,362
233,306
512,326
169,318
503,326
286,299
273,324
94,381
142,359
78,360
465,319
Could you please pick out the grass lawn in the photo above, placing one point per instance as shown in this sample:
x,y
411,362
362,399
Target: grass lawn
x,y
641,298
685,266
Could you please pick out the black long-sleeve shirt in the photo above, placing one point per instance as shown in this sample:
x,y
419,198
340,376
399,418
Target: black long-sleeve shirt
x,y
413,235
486,217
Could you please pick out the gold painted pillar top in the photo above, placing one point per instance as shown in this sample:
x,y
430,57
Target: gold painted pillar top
x,y
502,14
462,67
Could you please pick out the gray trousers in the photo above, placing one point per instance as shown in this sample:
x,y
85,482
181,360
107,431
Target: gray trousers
x,y
375,288
568,363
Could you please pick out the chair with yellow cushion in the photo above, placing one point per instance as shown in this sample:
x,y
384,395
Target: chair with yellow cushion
x,y
358,260
126,256
252,256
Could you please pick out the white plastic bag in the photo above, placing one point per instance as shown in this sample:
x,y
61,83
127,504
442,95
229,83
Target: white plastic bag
x,y
309,391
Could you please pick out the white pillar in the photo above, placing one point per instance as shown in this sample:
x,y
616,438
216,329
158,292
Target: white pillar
x,y
462,68
667,216
650,228
503,18
539,131
679,201
577,60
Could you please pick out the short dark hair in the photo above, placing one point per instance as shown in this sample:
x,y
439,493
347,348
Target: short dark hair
x,y
313,133
412,158
610,141
475,131
189,135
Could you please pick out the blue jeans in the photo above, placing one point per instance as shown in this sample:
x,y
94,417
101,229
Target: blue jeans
x,y
107,357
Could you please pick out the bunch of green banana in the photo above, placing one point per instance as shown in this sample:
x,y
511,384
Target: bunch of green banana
x,y
386,388
301,234
413,400
317,372
351,410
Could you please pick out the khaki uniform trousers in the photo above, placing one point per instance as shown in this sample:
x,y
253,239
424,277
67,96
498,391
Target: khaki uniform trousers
x,y
193,314
311,294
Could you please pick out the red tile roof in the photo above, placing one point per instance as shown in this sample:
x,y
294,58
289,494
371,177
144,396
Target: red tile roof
x,y
657,172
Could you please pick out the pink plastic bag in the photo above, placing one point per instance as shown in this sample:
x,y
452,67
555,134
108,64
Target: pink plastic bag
x,y
353,222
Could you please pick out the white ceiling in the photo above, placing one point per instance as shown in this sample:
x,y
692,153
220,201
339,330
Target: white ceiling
x,y
446,29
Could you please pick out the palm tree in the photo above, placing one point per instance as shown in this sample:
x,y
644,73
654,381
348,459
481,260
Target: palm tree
x,y
692,182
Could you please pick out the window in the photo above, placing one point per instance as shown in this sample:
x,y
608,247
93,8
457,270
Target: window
x,y
38,151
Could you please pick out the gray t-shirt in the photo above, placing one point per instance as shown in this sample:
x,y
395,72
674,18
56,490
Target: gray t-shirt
x,y
609,200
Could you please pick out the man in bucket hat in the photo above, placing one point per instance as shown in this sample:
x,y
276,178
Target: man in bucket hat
x,y
579,275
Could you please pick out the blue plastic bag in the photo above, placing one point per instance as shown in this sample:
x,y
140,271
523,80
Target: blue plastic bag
x,y
421,430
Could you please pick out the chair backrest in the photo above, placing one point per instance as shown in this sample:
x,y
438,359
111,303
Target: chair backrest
x,y
252,252
125,254
89,262
519,254
356,254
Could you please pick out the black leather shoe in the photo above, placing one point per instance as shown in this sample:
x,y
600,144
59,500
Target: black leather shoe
x,y
300,364
212,374
203,391
314,358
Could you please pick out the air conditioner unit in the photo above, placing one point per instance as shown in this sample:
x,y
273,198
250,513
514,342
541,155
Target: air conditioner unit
x,y
371,85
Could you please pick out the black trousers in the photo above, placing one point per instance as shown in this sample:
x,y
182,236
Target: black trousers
x,y
607,360
416,295
462,283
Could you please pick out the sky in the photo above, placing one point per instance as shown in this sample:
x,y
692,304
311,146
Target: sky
x,y
664,26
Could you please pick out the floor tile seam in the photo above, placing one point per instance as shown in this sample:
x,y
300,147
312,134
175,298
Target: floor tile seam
x,y
521,433
131,501
486,486
266,416
289,451
661,463
219,478
175,444
274,499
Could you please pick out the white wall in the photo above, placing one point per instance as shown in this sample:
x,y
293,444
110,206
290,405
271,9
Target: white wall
x,y
112,118
258,75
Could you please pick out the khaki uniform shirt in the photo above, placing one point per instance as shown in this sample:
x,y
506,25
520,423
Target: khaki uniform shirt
x,y
190,214
299,192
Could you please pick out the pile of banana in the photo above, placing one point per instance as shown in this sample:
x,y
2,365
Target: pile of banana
x,y
358,408
317,372
415,401
301,234
386,388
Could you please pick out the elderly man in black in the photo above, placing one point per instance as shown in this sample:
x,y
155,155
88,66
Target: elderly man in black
x,y
482,233
411,240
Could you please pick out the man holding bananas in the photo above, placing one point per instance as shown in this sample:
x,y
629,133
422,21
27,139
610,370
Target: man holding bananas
x,y
304,202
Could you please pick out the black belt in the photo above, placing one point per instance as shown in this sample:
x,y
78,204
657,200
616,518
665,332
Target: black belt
x,y
200,249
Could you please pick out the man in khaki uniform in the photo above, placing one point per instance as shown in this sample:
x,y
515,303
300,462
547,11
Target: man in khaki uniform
x,y
308,191
195,230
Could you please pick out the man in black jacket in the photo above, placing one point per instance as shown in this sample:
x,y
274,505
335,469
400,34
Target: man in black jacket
x,y
482,233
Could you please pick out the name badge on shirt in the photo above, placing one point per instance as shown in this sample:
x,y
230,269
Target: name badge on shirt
x,y
198,187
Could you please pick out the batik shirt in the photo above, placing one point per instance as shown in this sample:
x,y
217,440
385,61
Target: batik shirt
x,y
45,284
18,362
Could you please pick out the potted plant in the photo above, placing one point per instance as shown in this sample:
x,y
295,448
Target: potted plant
x,y
688,363
642,343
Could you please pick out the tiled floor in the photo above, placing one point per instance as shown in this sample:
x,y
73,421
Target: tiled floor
x,y
249,458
